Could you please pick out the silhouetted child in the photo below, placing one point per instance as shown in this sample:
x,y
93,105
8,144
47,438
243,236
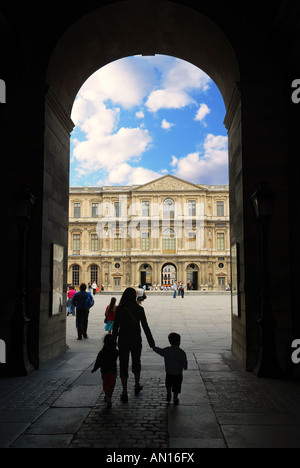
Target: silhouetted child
x,y
175,363
107,362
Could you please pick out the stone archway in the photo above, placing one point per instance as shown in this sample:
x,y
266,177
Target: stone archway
x,y
169,272
162,27
253,74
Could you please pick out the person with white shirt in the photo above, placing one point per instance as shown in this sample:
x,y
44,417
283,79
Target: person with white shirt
x,y
94,287
141,295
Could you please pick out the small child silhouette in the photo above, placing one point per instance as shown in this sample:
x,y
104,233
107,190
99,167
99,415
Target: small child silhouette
x,y
175,363
107,362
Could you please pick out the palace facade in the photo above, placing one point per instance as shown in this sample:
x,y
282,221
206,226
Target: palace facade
x,y
155,234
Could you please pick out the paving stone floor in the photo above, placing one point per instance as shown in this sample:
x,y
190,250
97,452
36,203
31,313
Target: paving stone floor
x,y
221,405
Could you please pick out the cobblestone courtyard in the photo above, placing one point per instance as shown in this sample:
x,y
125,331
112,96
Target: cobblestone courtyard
x,y
221,405
144,420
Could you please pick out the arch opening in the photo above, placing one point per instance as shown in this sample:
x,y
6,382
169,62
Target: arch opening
x,y
89,45
168,275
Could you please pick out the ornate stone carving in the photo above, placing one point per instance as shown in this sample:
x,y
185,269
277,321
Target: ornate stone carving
x,y
168,183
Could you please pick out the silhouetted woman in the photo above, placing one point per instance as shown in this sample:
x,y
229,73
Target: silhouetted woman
x,y
127,328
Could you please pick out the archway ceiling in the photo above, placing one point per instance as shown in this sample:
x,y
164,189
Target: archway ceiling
x,y
133,27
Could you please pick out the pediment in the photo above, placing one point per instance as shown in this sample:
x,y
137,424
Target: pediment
x,y
168,183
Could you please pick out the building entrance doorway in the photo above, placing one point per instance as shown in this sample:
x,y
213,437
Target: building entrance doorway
x,y
117,283
192,277
146,275
221,283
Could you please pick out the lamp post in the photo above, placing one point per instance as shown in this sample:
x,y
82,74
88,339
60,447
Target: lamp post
x,y
263,200
19,362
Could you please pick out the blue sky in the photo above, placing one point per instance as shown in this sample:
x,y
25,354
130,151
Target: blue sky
x,y
140,118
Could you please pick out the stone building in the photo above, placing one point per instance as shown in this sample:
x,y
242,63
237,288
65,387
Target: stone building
x,y
156,234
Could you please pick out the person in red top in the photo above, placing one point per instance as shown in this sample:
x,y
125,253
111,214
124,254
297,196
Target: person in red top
x,y
70,294
110,315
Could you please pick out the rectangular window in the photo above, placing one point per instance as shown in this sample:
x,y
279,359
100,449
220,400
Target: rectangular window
x,y
145,241
168,245
95,210
220,208
192,207
75,275
76,244
76,210
192,240
220,241
145,208
117,243
94,243
117,206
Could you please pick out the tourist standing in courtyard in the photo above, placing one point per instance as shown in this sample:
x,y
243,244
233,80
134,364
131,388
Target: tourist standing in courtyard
x,y
94,287
141,295
110,315
83,301
70,294
127,328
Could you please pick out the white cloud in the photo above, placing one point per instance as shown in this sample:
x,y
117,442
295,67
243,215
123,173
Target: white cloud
x,y
141,175
202,112
167,99
166,125
96,113
121,82
184,75
94,119
206,167
108,151
140,115
174,161
177,82
150,84
124,174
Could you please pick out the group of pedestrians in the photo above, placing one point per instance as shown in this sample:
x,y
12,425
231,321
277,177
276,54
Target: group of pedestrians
x,y
123,324
95,288
178,289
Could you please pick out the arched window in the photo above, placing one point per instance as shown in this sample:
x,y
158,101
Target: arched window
x,y
168,241
75,275
169,208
